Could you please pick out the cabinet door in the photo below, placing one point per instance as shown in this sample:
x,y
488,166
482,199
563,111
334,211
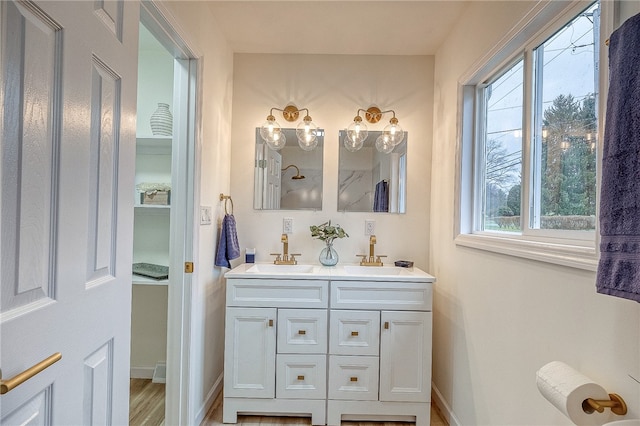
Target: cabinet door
x,y
354,332
301,376
250,352
302,331
353,378
405,356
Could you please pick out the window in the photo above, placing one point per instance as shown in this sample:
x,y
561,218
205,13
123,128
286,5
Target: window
x,y
530,125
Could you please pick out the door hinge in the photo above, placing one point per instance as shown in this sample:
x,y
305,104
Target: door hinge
x,y
188,267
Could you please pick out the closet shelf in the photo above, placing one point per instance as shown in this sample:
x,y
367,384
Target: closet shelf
x,y
139,280
158,145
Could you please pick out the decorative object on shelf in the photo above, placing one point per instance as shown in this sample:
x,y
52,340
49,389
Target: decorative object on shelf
x,y
151,270
306,131
162,121
158,194
357,131
327,233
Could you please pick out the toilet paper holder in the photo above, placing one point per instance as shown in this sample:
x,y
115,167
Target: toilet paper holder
x,y
616,403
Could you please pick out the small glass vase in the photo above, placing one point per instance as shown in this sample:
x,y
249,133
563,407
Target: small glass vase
x,y
328,256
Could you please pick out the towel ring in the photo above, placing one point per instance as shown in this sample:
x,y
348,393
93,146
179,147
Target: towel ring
x,y
226,198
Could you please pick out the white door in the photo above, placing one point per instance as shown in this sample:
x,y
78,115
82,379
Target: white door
x,y
68,100
250,353
273,190
405,356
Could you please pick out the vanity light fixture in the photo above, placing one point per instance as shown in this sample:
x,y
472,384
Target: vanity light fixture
x,y
357,131
306,131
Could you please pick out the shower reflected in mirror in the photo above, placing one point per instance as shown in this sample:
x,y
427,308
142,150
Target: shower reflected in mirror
x,y
289,178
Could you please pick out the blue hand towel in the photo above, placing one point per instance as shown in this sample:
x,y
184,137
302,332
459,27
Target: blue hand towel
x,y
619,266
381,197
228,247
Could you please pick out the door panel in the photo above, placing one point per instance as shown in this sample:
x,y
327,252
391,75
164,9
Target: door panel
x,y
250,352
103,178
68,144
405,356
29,147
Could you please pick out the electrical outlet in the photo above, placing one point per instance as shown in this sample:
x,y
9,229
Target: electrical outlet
x,y
369,227
287,225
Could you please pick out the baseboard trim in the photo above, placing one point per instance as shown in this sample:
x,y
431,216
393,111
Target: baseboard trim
x,y
444,408
141,372
209,400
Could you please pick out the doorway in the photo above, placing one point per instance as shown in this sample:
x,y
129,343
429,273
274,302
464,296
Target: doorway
x,y
163,218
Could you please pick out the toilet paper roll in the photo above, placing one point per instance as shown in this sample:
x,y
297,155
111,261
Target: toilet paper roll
x,y
566,389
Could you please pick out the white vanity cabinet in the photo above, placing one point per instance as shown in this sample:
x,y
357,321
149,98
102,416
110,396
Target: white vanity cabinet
x,y
275,348
380,351
330,344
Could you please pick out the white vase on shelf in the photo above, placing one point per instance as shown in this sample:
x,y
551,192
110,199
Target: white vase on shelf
x,y
162,121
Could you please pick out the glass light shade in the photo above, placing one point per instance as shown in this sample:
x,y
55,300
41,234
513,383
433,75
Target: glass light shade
x,y
394,131
277,141
307,133
357,132
352,146
384,144
269,128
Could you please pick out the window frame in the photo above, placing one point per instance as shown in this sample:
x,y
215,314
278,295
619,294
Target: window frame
x,y
564,247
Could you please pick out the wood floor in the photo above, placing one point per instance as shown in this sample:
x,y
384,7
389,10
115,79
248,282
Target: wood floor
x,y
147,408
146,403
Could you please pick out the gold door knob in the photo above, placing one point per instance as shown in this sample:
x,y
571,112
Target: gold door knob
x,y
354,379
354,333
302,332
7,385
270,323
300,377
386,325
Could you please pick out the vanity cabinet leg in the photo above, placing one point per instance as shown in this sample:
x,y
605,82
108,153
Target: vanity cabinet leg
x,y
229,413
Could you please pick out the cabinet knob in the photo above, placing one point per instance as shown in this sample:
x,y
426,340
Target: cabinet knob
x,y
354,333
270,323
300,377
354,379
386,325
302,332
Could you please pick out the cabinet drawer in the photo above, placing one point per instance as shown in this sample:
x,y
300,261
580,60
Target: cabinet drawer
x,y
354,332
397,296
353,377
301,376
302,331
278,293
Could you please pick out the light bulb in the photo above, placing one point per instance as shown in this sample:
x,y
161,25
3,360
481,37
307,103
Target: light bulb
x,y
357,132
394,131
269,129
277,141
384,144
307,133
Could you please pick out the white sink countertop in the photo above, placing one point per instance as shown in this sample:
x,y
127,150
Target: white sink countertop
x,y
343,272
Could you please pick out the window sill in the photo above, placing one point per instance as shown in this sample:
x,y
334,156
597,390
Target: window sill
x,y
574,256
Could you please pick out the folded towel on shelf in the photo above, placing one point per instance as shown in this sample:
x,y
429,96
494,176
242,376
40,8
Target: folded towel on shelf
x,y
619,265
381,197
228,247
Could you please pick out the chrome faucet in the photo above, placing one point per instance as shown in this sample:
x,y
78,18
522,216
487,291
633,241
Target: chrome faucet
x,y
285,258
372,259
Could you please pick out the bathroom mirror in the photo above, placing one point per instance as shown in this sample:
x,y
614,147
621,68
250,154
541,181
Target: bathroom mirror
x,y
372,181
288,179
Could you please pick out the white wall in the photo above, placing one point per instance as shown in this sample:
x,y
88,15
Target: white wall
x,y
333,87
498,319
196,23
